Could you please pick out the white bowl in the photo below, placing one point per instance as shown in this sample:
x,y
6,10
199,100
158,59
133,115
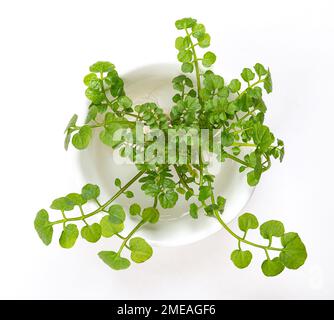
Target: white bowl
x,y
153,83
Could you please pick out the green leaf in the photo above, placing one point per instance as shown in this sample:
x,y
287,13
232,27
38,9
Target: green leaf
x,y
268,83
247,221
95,96
125,102
92,233
262,137
77,199
135,209
140,250
69,236
187,67
129,194
118,183
294,252
182,43
90,191
151,215
185,56
241,259
92,113
271,268
43,226
113,260
72,122
102,66
252,178
227,139
185,23
209,59
62,204
204,40
271,228
198,30
221,201
234,85
247,74
168,199
117,214
81,139
204,193
193,210
89,77
260,70
108,229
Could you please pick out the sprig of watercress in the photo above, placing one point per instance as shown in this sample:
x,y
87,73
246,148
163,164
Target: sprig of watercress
x,y
203,100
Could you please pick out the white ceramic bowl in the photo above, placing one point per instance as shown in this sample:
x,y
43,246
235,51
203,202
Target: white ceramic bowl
x,y
153,83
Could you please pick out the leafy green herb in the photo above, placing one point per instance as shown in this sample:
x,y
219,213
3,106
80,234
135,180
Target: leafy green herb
x,y
202,100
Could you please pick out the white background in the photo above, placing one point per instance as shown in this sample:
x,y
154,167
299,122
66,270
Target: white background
x,y
45,50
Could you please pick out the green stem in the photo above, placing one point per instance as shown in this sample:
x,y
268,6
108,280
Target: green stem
x,y
230,156
185,184
142,222
240,144
225,226
102,208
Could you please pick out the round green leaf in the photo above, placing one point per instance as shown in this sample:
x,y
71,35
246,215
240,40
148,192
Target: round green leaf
x,y
260,70
198,30
140,250
96,96
185,23
102,66
204,193
168,199
294,252
90,191
135,209
62,204
187,67
129,194
185,56
117,214
43,226
118,183
193,210
209,59
125,102
252,178
204,40
108,229
247,74
247,221
69,236
113,260
271,228
271,268
234,85
76,198
91,233
150,215
90,76
241,259
81,139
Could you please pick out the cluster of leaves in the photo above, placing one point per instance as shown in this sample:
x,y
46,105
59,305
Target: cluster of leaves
x,y
111,224
203,100
292,254
158,183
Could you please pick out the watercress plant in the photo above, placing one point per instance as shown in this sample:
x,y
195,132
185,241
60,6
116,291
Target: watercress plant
x,y
236,108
